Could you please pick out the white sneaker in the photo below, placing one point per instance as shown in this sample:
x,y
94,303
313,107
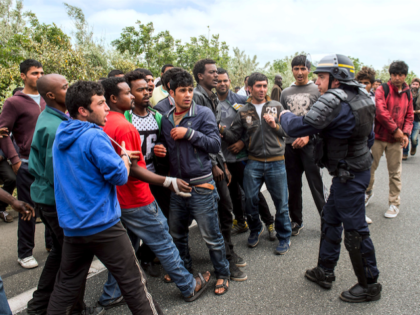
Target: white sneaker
x,y
367,199
392,212
28,262
368,220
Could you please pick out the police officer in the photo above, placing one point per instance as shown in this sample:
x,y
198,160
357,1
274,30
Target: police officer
x,y
342,120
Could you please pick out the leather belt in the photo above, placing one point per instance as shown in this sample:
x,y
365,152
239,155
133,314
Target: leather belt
x,y
206,186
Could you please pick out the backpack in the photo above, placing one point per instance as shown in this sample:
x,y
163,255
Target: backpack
x,y
386,90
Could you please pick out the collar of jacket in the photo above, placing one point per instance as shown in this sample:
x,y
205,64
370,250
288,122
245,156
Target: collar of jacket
x,y
267,99
56,112
203,91
405,87
192,112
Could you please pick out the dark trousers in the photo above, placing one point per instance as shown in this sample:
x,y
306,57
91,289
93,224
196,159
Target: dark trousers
x,y
163,199
26,229
297,162
238,196
41,296
346,208
225,209
114,250
8,177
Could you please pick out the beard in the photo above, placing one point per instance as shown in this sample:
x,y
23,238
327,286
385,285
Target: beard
x,y
415,92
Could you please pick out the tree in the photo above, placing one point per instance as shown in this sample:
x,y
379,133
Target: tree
x,y
240,66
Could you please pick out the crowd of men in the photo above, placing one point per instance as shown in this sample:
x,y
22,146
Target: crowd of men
x,y
120,168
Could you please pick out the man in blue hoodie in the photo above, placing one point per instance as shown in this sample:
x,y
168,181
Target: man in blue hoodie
x,y
86,171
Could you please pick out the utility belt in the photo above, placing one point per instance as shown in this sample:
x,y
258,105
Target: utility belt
x,y
343,173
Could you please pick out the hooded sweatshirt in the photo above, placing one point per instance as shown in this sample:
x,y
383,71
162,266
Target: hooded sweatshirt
x,y
86,171
20,113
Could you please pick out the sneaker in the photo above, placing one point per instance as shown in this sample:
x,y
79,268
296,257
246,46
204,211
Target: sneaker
x,y
28,262
271,232
368,220
321,277
283,247
254,238
239,261
367,198
117,302
392,212
236,274
405,157
239,228
95,310
151,268
358,294
6,217
38,220
413,151
296,228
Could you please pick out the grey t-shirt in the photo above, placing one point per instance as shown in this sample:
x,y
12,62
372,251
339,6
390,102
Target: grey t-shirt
x,y
36,98
299,99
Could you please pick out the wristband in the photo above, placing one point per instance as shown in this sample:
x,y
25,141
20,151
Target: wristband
x,y
172,180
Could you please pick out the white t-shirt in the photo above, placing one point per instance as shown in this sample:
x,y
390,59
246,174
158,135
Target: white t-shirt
x,y
259,108
36,98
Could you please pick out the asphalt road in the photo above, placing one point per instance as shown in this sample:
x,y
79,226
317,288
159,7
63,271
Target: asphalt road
x,y
276,284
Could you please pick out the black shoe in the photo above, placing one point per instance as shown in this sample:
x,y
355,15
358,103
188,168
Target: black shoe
x,y
239,228
236,274
239,261
36,312
358,294
151,268
117,302
320,276
95,310
296,228
272,235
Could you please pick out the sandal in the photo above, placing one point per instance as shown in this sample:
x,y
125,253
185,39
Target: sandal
x,y
196,294
222,286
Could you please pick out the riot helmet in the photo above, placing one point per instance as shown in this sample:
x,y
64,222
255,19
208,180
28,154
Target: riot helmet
x,y
339,66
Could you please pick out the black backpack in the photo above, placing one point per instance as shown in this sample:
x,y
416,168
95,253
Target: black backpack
x,y
386,90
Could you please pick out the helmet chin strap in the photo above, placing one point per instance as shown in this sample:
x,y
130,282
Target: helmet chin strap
x,y
330,81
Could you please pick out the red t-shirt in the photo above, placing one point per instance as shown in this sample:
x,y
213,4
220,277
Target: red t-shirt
x,y
134,193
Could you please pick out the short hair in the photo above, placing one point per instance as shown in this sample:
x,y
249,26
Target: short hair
x,y
301,60
134,76
237,87
144,71
110,86
27,64
17,89
166,66
416,80
256,76
114,72
246,78
166,77
80,94
182,79
200,67
222,71
366,73
378,80
398,67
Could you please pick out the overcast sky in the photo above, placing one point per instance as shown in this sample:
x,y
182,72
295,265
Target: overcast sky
x,y
375,31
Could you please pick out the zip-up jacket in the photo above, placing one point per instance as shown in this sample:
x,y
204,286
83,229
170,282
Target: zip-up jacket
x,y
20,113
396,111
158,117
40,159
265,144
189,157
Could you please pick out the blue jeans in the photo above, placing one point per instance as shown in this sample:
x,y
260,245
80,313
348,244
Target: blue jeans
x,y
201,206
274,176
414,137
4,305
149,224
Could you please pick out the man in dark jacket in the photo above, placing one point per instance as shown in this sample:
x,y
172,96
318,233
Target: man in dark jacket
x,y
258,120
166,104
276,91
189,133
415,84
19,115
236,157
205,73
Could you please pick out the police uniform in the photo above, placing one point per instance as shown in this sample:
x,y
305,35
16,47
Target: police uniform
x,y
342,120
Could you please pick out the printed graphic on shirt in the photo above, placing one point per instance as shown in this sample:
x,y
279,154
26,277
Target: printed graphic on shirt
x,y
271,111
148,130
299,104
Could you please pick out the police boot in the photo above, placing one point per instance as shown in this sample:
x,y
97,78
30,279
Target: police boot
x,y
358,294
323,278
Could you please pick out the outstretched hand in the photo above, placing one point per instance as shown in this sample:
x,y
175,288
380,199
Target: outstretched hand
x,y
133,155
24,209
182,186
